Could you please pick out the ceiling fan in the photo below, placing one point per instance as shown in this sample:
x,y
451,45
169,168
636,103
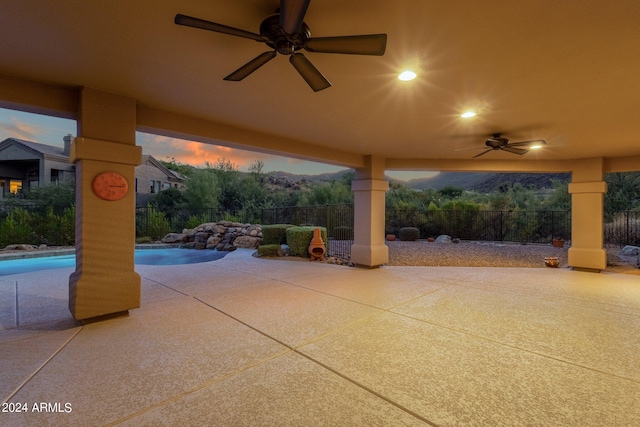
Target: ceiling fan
x,y
498,142
287,33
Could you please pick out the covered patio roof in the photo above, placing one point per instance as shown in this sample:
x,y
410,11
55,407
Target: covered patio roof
x,y
564,72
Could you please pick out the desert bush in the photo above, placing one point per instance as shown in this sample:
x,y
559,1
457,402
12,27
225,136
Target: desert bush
x,y
409,234
154,224
299,238
196,220
275,234
52,229
16,229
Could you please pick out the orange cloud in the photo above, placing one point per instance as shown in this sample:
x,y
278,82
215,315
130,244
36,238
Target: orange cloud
x,y
14,128
195,153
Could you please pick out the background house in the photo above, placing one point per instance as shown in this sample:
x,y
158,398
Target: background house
x,y
152,177
25,165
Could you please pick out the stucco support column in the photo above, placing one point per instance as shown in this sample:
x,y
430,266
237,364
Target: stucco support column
x,y
104,282
369,187
587,189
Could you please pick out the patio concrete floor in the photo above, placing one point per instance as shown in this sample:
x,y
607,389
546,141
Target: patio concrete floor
x,y
250,342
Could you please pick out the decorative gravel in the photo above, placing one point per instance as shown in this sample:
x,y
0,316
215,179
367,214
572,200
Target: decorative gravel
x,y
493,254
472,254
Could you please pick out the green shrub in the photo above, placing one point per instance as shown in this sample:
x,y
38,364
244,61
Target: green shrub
x,y
299,238
55,230
269,250
16,229
196,220
154,224
275,234
145,239
409,234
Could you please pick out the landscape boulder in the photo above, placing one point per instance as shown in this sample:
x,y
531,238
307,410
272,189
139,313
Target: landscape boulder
x,y
20,247
247,242
630,250
443,238
221,235
174,238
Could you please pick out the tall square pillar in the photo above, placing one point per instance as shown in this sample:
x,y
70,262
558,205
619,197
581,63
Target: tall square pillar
x,y
104,282
369,188
587,189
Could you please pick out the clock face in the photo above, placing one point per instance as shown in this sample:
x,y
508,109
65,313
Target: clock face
x,y
110,186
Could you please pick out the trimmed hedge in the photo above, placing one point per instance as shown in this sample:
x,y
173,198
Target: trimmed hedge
x,y
269,250
409,234
275,234
299,238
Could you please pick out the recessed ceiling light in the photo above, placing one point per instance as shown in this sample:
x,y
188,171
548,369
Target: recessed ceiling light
x,y
407,75
468,114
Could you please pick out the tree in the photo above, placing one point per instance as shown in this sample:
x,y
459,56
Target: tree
x,y
169,200
560,199
327,193
451,192
202,189
63,194
623,192
172,164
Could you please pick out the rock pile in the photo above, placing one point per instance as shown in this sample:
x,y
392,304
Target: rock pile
x,y
221,235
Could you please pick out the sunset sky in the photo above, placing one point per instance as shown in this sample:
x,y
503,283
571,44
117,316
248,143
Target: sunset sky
x,y
50,130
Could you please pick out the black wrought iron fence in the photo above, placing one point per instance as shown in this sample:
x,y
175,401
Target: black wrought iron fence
x,y
338,219
623,230
154,223
512,226
517,226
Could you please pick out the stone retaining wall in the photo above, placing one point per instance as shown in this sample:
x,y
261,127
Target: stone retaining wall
x,y
221,235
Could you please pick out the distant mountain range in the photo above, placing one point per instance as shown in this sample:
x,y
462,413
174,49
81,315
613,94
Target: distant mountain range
x,y
483,182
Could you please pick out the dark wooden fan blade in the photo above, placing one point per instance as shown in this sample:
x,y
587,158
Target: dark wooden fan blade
x,y
251,66
190,21
527,143
370,44
519,151
292,14
312,76
483,153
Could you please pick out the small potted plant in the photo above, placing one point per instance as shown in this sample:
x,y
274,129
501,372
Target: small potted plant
x,y
557,243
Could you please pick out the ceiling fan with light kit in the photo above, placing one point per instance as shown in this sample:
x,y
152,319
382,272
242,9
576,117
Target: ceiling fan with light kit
x,y
287,34
498,142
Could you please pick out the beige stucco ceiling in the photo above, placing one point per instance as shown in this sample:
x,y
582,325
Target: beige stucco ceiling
x,y
565,71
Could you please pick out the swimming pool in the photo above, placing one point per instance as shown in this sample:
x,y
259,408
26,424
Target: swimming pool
x,y
169,256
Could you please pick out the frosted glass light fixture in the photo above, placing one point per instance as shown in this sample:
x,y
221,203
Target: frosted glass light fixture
x,y
407,75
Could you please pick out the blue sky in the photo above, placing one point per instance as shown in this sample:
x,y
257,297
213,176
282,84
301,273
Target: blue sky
x,y
51,130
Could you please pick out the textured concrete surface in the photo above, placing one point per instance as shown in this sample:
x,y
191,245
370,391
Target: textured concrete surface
x,y
248,342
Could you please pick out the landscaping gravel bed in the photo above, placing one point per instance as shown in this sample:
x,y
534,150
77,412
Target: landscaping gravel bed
x,y
493,254
472,254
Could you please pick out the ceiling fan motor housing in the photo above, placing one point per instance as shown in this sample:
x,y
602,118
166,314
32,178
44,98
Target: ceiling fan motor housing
x,y
283,43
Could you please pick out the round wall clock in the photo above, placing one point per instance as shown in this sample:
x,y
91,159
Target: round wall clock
x,y
110,186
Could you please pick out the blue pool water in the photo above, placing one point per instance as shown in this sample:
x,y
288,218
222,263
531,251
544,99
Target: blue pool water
x,y
171,256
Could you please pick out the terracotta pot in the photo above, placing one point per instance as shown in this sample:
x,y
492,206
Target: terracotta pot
x,y
391,237
551,261
558,243
430,239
